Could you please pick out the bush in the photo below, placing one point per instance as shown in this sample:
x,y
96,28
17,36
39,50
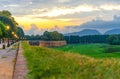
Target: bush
x,y
111,49
52,36
113,40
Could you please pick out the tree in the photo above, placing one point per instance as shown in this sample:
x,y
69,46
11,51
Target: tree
x,y
9,23
20,32
52,36
113,39
11,28
9,15
3,31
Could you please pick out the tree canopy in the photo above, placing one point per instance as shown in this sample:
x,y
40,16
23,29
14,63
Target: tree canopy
x,y
2,29
20,32
9,15
52,36
10,25
114,40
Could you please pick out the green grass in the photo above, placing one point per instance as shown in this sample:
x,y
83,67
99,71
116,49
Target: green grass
x,y
45,63
92,50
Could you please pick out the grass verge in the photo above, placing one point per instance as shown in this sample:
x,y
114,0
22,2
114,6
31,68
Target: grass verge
x,y
93,50
45,63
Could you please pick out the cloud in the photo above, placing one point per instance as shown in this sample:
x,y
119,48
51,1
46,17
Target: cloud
x,y
34,30
85,8
75,12
63,1
13,5
57,11
110,7
55,8
97,24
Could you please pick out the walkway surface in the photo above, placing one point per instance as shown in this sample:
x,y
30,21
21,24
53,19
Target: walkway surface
x,y
7,60
20,68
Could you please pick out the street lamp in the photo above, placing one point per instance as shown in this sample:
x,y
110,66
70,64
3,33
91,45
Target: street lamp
x,y
13,33
8,28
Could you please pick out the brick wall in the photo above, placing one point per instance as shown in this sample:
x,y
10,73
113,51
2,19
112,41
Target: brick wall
x,y
52,43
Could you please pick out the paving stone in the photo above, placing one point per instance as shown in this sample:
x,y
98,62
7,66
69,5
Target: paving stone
x,y
20,67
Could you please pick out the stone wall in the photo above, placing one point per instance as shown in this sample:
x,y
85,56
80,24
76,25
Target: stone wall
x,y
52,43
34,43
47,43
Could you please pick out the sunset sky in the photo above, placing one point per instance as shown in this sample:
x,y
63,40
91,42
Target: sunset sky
x,y
35,16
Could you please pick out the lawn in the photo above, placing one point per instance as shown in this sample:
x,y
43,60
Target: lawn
x,y
47,63
93,50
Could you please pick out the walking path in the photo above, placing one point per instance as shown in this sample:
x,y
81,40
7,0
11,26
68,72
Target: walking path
x,y
7,60
20,67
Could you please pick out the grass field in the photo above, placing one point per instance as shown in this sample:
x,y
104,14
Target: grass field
x,y
46,63
93,50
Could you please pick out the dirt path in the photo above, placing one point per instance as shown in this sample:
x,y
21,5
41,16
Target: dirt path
x,y
7,60
20,68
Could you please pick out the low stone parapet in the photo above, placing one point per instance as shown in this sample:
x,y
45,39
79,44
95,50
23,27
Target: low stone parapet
x,y
52,43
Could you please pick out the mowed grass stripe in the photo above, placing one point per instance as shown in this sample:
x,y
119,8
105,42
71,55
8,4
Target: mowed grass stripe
x,y
92,50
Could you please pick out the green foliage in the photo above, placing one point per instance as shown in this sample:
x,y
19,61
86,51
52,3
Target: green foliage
x,y
32,37
20,32
52,36
10,30
1,27
0,31
3,31
87,39
112,49
9,15
44,63
113,39
5,13
8,22
92,50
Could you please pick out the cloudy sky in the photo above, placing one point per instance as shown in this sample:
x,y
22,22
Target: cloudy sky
x,y
35,16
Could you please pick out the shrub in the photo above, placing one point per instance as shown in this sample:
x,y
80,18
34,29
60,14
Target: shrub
x,y
112,49
113,40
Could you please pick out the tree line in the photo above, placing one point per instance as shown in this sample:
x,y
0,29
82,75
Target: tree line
x,y
55,36
87,39
9,28
47,36
110,39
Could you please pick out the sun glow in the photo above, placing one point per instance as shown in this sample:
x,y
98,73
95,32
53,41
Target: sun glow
x,y
49,17
43,23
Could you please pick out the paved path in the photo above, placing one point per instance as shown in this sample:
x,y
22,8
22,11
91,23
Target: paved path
x,y
7,60
20,68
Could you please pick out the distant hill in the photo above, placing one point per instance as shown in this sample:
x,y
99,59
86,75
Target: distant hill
x,y
84,32
98,24
113,31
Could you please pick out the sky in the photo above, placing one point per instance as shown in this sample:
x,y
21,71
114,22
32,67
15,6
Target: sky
x,y
36,16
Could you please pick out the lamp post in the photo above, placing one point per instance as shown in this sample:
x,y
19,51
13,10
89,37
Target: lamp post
x,y
8,28
13,33
3,43
15,36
